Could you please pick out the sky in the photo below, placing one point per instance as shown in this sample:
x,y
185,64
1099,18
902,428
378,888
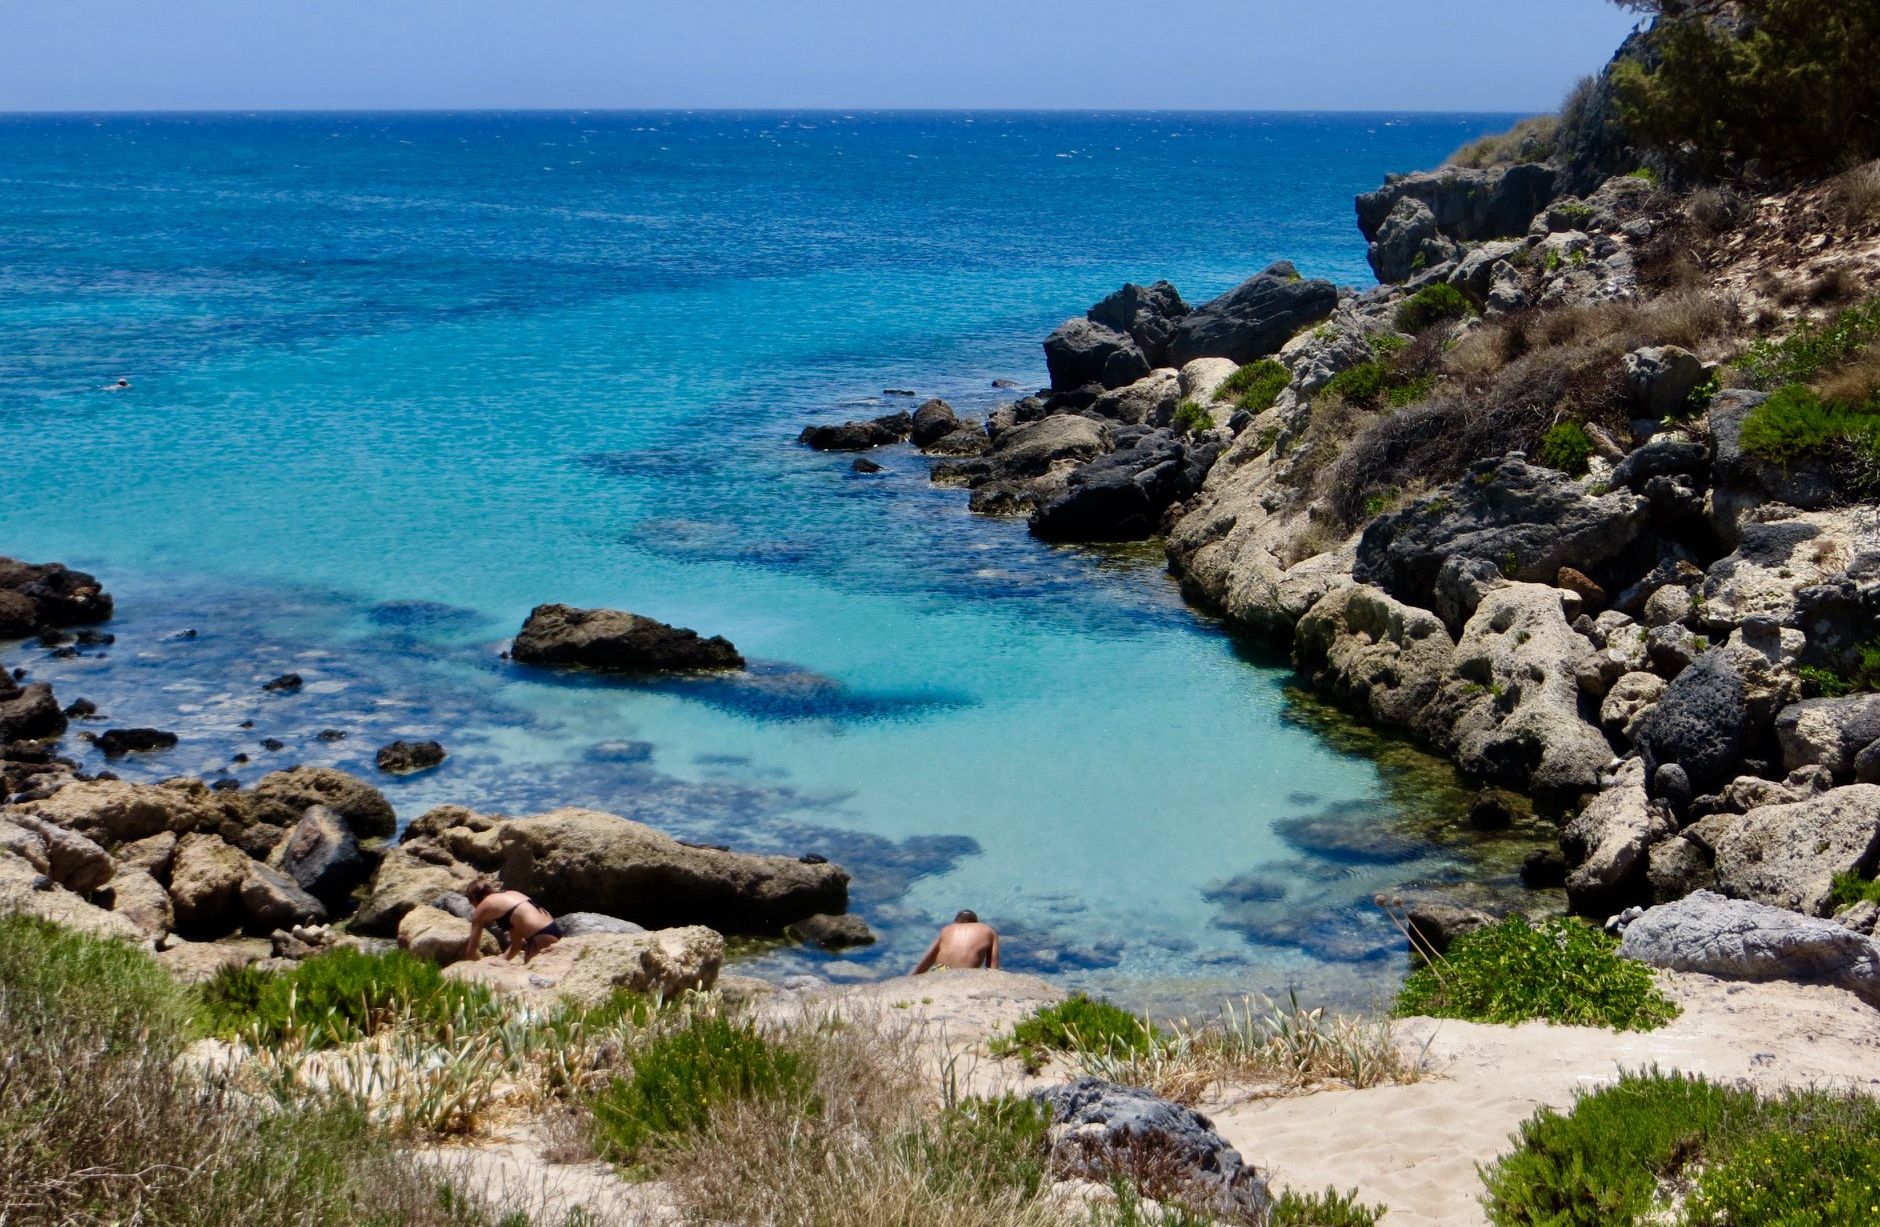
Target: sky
x,y
1428,55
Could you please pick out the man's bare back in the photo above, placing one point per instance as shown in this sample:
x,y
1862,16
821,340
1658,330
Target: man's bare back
x,y
963,945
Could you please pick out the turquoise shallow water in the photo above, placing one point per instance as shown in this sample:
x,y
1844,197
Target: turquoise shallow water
x,y
399,378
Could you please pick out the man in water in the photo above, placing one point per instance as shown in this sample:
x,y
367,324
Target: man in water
x,y
964,945
119,386
531,929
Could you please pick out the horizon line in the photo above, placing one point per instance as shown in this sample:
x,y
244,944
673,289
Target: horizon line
x,y
753,110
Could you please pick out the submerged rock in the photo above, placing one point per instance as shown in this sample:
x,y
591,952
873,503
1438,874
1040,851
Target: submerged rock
x,y
613,639
831,932
28,713
115,743
406,757
858,436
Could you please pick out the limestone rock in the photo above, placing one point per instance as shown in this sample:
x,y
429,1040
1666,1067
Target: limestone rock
x,y
205,884
26,891
1123,496
1254,318
30,712
584,860
151,855
282,799
1735,939
589,969
592,924
1408,241
1629,701
1467,204
1607,843
1828,732
1659,379
406,757
1203,377
612,639
140,899
112,811
1787,855
1374,653
68,858
272,900
402,882
438,936
1776,559
1150,400
831,932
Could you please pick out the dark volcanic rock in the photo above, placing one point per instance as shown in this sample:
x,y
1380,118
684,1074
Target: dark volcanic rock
x,y
286,682
1122,496
28,713
323,856
613,639
858,436
1699,724
1524,520
404,757
864,465
1467,204
933,421
1083,353
1253,319
1148,314
59,596
118,742
1661,458
1100,1128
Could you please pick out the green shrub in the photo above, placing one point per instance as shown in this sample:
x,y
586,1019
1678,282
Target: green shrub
x,y
1078,1023
1191,418
1429,306
338,997
1567,447
1795,93
1360,384
1328,1209
1850,888
1811,349
1795,423
1411,391
1599,1164
1255,386
701,1063
1863,677
1807,1158
1560,970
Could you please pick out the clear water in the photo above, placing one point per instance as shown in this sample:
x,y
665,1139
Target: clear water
x,y
399,378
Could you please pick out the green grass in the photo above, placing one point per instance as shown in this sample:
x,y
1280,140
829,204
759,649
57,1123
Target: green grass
x,y
99,1123
1000,1143
1429,306
1191,418
1811,349
1796,424
680,1077
338,997
1560,970
1566,447
1360,384
1804,1159
1255,386
1078,1023
1850,888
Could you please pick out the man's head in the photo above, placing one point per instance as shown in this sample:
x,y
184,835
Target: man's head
x,y
479,890
966,917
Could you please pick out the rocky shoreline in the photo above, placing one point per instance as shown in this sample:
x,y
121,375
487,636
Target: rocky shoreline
x,y
1634,617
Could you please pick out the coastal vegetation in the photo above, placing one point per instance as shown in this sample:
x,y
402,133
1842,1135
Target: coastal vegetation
x,y
1561,970
1255,386
1665,1148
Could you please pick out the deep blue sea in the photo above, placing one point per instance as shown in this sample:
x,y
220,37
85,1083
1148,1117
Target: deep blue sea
x,y
398,378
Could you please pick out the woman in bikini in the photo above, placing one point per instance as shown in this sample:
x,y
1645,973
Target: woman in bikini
x,y
531,929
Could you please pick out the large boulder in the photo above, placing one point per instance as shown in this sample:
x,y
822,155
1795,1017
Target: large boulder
x,y
1099,1128
403,757
613,639
589,969
932,422
1409,242
1736,939
405,880
323,857
115,811
271,900
1701,723
1788,855
1525,520
1374,653
1510,711
1467,205
1781,555
1081,353
1659,380
434,934
206,882
1744,480
25,890
282,799
28,713
1151,399
584,860
58,596
66,857
1254,318
1607,844
1148,314
140,899
1123,496
1034,448
1829,733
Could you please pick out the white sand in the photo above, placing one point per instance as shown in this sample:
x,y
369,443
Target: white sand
x,y
1415,1148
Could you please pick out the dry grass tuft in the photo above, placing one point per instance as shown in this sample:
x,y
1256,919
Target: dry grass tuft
x,y
1856,194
